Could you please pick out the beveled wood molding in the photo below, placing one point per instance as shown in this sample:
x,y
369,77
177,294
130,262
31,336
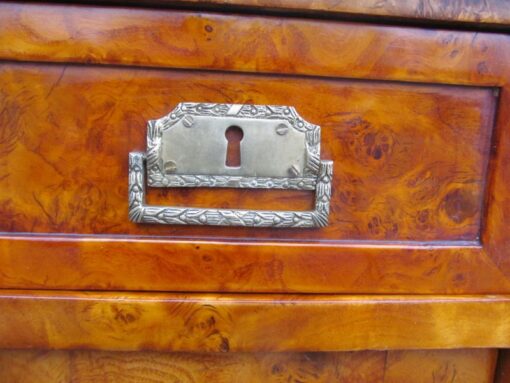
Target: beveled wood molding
x,y
249,322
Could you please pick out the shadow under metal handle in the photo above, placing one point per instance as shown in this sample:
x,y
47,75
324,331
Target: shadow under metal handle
x,y
142,213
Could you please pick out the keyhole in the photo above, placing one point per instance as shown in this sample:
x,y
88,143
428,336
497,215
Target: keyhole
x,y
234,135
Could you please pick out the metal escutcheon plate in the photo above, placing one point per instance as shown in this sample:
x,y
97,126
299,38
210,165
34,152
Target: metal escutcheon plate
x,y
189,146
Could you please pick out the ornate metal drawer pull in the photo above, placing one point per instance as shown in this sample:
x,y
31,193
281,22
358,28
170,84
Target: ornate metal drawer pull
x,y
191,147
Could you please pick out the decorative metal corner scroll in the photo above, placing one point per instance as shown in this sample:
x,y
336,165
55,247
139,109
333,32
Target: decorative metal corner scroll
x,y
188,148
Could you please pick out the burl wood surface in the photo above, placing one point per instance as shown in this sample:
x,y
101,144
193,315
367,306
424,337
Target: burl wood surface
x,y
446,366
496,12
289,47
249,322
410,160
201,40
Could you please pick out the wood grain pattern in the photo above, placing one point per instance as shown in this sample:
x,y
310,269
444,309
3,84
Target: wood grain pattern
x,y
163,38
249,323
495,12
373,132
170,39
446,366
149,264
439,366
495,231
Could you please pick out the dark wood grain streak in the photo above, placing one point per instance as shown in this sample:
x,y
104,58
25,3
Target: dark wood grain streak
x,y
238,323
438,366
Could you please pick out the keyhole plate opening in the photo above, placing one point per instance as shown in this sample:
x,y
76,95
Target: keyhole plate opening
x,y
201,149
234,135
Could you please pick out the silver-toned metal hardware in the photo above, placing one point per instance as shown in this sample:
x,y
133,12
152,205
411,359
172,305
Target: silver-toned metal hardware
x,y
188,121
294,171
279,150
282,129
170,167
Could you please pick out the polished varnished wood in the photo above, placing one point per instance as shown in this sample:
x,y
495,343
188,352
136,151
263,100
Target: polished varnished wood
x,y
127,37
481,12
446,366
151,264
249,323
162,38
372,131
167,38
415,120
439,366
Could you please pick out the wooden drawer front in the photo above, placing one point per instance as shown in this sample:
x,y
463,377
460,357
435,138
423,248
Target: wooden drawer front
x,y
410,160
417,204
448,366
249,322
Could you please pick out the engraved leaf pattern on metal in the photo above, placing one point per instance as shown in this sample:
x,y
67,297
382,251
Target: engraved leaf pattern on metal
x,y
155,129
226,217
318,175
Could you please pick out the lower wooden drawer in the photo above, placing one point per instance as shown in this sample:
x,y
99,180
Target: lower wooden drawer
x,y
466,366
163,337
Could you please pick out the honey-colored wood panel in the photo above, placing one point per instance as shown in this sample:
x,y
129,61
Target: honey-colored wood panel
x,y
69,130
116,35
59,262
249,323
445,366
440,366
35,366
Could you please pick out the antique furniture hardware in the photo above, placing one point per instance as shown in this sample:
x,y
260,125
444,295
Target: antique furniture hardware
x,y
190,147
